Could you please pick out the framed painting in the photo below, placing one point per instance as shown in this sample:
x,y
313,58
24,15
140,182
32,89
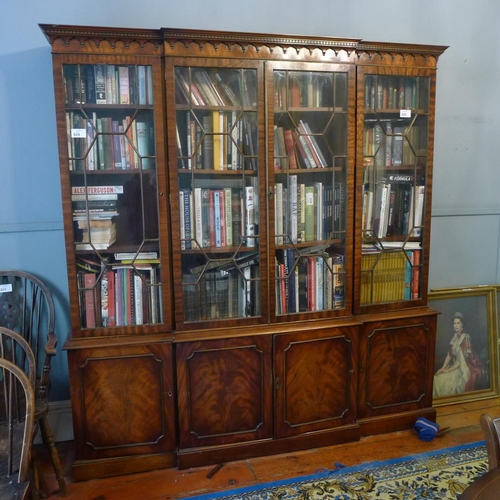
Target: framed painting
x,y
466,362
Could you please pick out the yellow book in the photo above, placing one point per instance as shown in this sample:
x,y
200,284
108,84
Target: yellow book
x,y
218,147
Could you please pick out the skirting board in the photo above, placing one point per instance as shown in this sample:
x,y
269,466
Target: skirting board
x,y
60,421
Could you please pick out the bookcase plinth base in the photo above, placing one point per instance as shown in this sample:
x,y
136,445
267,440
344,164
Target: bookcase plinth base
x,y
109,467
196,457
392,423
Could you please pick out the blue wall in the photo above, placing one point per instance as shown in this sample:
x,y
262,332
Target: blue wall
x,y
466,207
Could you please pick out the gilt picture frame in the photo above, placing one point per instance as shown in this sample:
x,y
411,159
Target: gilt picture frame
x,y
466,360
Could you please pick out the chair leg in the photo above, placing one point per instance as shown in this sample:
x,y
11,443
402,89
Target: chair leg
x,y
39,486
48,440
35,473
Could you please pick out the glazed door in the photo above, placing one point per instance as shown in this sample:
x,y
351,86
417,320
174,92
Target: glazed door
x,y
310,171
394,169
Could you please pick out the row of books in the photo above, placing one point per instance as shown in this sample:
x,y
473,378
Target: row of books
x,y
94,208
108,84
393,208
303,89
221,295
312,283
391,92
217,88
390,276
217,218
108,144
218,141
390,146
308,212
99,233
120,295
297,148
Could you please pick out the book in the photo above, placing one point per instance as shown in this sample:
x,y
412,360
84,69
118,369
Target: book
x,y
141,84
104,299
138,300
293,209
228,211
198,226
249,149
278,213
94,197
208,143
134,255
149,86
217,141
419,211
89,284
415,275
237,215
309,216
93,205
187,222
205,218
143,131
250,216
124,84
290,149
100,84
182,227
93,246
97,190
111,298
312,143
282,150
318,210
301,213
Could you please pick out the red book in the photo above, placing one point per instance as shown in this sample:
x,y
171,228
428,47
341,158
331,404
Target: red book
x,y
294,93
129,287
222,214
290,150
311,284
415,275
111,298
212,219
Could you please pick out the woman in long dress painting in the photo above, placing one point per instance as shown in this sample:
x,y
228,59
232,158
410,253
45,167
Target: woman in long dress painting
x,y
461,367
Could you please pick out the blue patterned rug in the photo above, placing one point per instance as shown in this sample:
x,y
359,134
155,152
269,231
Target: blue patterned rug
x,y
440,474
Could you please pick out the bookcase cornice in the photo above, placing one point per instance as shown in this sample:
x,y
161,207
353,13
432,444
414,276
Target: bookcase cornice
x,y
85,34
380,52
259,42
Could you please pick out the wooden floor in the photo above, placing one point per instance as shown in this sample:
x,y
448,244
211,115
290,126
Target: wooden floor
x,y
463,420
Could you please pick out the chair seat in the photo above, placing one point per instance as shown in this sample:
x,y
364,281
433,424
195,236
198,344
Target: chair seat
x,y
12,489
486,487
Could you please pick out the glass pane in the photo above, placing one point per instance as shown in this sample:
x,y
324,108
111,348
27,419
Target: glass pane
x,y
218,205
395,159
112,164
309,172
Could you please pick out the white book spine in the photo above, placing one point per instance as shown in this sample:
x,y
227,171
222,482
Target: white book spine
x,y
138,300
250,216
293,208
198,221
278,213
229,216
419,210
181,220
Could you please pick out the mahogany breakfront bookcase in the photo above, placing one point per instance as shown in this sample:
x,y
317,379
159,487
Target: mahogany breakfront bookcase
x,y
247,222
